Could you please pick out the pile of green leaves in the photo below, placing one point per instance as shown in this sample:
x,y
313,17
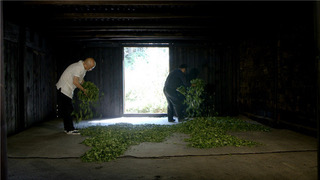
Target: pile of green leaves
x,y
109,142
86,103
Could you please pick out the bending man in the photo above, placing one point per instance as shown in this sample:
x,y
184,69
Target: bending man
x,y
70,79
175,79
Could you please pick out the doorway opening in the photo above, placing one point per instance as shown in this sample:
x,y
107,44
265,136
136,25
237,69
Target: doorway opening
x,y
145,72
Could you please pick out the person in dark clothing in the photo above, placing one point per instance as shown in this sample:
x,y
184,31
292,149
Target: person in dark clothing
x,y
175,79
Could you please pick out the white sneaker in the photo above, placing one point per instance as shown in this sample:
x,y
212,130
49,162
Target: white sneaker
x,y
74,132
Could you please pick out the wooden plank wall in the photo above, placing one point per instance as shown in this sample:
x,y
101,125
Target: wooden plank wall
x,y
11,90
216,65
29,77
107,74
277,74
257,78
3,128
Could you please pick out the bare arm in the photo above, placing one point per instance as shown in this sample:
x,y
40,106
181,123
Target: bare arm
x,y
77,84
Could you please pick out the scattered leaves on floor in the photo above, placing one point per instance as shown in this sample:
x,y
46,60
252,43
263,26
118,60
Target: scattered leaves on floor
x,y
109,142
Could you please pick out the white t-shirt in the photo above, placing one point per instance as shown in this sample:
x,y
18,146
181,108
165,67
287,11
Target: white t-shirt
x,y
66,80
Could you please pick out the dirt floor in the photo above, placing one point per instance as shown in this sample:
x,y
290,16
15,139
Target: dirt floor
x,y
45,152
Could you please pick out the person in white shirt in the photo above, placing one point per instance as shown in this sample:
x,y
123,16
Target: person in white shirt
x,y
71,78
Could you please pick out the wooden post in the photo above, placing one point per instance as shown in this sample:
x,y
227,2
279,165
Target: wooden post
x,y
317,54
3,132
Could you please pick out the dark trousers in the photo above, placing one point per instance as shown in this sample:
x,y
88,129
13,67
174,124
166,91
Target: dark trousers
x,y
175,104
65,108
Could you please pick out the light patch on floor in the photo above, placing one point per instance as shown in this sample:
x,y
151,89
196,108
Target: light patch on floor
x,y
130,120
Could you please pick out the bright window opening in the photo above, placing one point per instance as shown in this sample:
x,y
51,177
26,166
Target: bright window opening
x,y
145,71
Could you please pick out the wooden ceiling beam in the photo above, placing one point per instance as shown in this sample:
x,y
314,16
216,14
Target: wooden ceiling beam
x,y
125,29
112,2
127,34
116,20
88,27
128,38
128,16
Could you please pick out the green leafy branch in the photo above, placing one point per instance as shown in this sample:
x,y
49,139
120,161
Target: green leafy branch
x,y
194,97
87,102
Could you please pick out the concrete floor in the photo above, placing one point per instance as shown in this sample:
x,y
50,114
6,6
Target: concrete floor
x,y
45,152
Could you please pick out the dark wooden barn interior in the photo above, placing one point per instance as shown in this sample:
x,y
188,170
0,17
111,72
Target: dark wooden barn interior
x,y
257,58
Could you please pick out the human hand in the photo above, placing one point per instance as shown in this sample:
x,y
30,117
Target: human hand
x,y
85,92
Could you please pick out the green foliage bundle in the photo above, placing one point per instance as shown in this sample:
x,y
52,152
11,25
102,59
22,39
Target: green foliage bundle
x,y
109,142
193,97
87,102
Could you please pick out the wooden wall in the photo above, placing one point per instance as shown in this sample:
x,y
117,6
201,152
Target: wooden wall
x,y
3,128
264,69
107,74
278,72
29,78
216,65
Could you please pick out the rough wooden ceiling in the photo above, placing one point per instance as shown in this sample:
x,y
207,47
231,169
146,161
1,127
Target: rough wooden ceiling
x,y
130,20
